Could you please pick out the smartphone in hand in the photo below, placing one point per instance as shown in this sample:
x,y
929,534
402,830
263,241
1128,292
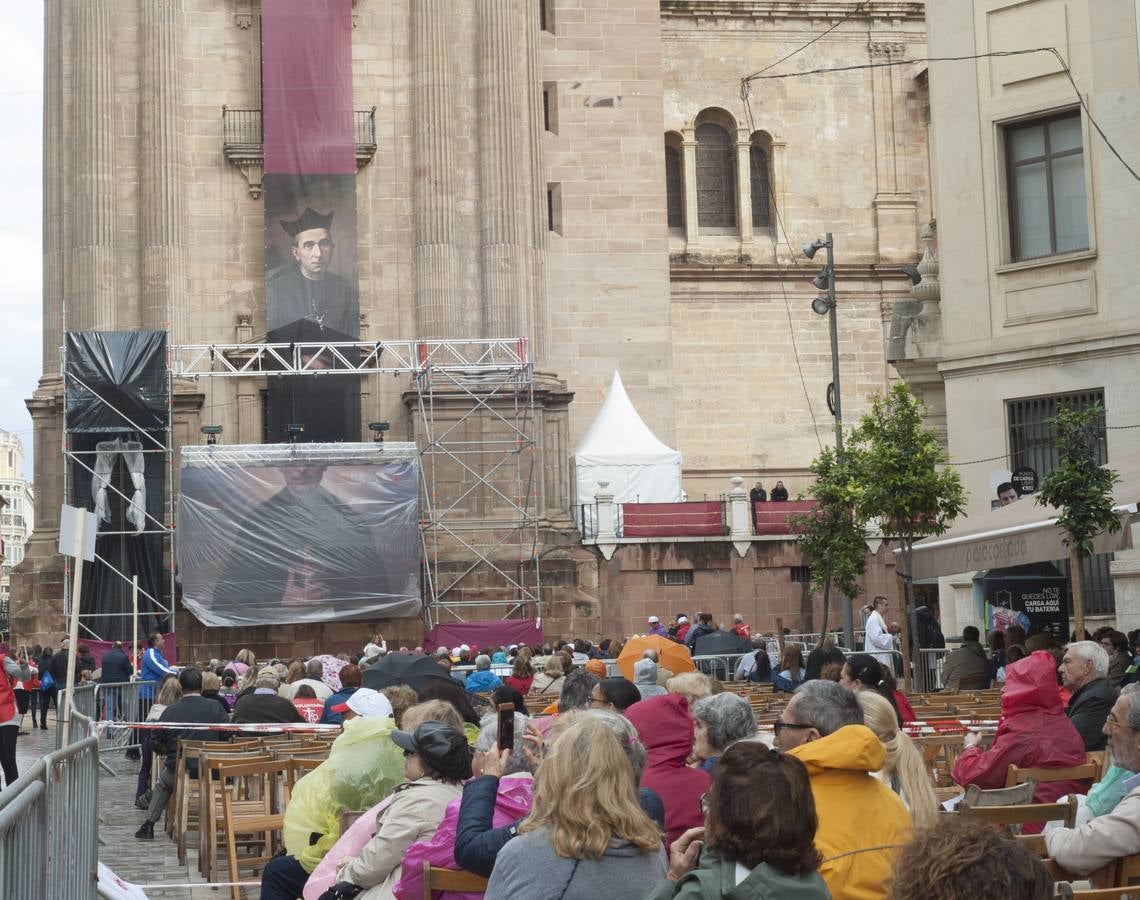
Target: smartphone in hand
x,y
506,726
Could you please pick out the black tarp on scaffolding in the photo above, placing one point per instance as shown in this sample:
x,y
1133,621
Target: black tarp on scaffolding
x,y
116,414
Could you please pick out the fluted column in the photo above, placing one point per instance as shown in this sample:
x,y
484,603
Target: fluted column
x,y
53,183
539,316
163,167
437,295
504,154
91,293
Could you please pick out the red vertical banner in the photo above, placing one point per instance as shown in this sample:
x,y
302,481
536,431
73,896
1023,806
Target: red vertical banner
x,y
309,189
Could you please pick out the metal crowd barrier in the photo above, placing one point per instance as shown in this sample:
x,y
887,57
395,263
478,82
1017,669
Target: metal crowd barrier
x,y
49,823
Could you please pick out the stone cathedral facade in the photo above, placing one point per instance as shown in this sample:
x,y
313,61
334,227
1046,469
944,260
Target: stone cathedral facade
x,y
588,174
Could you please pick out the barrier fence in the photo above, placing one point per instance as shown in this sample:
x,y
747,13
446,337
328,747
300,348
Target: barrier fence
x,y
49,823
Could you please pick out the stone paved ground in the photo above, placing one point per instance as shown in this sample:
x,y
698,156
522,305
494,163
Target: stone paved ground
x,y
135,861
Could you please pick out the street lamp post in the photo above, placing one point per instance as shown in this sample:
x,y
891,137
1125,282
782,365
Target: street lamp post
x,y
825,305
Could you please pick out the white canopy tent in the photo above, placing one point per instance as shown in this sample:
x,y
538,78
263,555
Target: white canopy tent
x,y
619,448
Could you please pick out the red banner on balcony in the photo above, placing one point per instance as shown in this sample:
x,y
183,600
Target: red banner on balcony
x,y
770,517
309,187
702,518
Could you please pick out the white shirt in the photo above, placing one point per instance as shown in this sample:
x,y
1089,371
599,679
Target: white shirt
x,y
878,638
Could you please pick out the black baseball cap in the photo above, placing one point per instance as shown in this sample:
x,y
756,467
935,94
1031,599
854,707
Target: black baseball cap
x,y
443,747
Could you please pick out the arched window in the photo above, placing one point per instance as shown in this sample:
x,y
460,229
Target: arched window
x,y
761,186
674,187
716,177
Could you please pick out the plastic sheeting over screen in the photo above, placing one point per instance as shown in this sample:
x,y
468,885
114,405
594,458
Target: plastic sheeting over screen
x,y
287,533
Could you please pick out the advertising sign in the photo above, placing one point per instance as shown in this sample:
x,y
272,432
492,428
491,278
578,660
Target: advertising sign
x,y
1034,597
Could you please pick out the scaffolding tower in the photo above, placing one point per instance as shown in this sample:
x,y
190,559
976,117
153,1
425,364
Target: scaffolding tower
x,y
476,440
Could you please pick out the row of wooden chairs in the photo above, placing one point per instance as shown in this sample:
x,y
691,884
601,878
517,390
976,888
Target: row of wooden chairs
x,y
238,799
1121,877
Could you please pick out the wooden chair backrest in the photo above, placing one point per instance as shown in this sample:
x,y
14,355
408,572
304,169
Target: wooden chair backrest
x,y
1008,796
1088,771
1065,889
1025,814
348,816
451,880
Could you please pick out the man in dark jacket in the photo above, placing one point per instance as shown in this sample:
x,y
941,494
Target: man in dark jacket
x,y
116,668
929,630
968,661
265,704
193,708
1084,671
704,626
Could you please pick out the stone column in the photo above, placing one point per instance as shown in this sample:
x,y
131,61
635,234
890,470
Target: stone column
x,y
504,153
437,295
163,170
689,173
744,185
896,209
54,180
91,282
539,316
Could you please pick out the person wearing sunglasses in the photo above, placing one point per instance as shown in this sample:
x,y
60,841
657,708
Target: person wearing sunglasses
x,y
1116,834
822,726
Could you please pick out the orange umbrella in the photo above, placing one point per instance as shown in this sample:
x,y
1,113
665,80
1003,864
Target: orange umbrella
x,y
673,656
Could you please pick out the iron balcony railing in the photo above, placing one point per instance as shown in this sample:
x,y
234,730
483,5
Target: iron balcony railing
x,y
242,134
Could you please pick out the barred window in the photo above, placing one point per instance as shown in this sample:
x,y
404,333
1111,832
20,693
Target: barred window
x,y
674,577
761,199
716,177
1032,442
674,188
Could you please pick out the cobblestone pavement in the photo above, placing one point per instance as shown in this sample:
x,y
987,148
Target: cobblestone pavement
x,y
139,862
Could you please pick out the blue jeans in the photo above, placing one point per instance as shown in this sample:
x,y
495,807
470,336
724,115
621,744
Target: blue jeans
x,y
283,879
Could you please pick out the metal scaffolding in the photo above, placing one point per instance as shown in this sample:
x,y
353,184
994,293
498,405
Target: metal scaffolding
x,y
476,439
160,606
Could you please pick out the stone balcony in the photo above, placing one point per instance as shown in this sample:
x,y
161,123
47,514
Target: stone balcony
x,y
243,145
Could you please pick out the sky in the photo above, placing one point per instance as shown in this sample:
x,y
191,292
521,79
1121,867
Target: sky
x,y
21,196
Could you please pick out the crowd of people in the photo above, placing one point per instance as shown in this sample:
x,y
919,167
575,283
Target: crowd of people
x,y
656,786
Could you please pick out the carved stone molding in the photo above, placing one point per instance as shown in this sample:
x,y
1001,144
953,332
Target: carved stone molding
x,y
887,49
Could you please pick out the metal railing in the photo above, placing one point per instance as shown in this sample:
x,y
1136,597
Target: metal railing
x,y
49,823
242,129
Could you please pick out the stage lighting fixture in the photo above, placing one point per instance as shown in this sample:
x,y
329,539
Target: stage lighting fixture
x,y
821,306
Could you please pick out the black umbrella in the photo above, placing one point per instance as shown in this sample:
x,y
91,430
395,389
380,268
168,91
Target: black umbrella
x,y
720,643
403,668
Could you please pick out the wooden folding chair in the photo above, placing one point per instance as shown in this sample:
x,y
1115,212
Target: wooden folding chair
x,y
1064,889
1025,814
182,810
251,808
210,787
436,879
1017,795
1088,771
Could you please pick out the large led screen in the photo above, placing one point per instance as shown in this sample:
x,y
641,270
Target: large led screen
x,y
276,534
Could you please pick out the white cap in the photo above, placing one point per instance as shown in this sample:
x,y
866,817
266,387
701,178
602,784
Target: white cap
x,y
464,647
370,704
681,619
442,651
456,651
654,619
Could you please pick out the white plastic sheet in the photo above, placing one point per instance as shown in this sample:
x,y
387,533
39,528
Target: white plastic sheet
x,y
288,533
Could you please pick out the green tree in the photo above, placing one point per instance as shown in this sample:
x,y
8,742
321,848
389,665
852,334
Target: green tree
x,y
904,482
1081,489
830,536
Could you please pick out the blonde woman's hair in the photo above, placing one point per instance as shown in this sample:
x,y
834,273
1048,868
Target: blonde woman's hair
x,y
554,667
246,657
430,711
210,682
169,692
903,766
585,794
693,686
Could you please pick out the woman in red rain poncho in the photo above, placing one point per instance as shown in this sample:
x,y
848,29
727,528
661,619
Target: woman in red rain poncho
x,y
1033,731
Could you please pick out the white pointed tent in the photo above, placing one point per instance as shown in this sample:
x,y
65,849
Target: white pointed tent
x,y
619,448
